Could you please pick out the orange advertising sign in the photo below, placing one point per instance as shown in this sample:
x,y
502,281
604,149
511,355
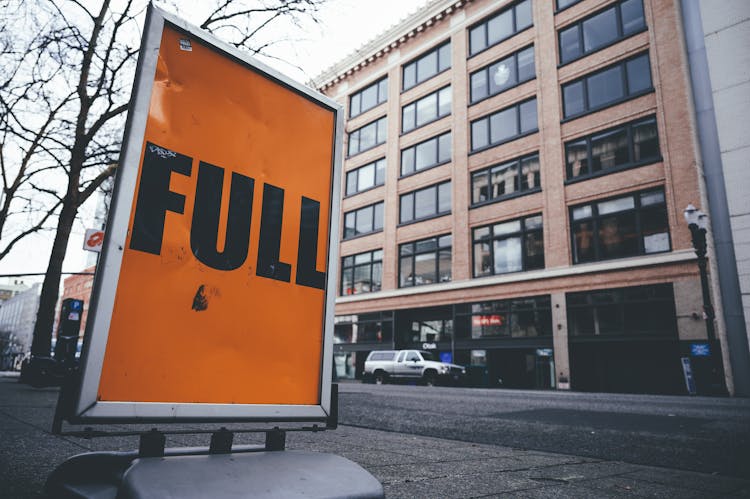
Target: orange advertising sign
x,y
216,300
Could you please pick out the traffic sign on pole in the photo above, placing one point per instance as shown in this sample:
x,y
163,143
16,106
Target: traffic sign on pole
x,y
93,240
214,296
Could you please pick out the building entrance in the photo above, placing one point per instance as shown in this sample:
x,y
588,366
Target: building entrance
x,y
520,368
627,367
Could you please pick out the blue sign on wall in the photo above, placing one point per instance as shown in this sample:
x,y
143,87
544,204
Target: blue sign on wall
x,y
446,357
700,349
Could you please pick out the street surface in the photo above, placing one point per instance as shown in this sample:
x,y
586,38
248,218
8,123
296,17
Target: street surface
x,y
710,435
468,457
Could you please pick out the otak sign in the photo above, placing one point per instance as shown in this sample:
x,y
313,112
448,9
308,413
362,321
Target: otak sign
x,y
214,296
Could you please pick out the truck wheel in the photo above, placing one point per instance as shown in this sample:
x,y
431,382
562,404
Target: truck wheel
x,y
380,378
430,378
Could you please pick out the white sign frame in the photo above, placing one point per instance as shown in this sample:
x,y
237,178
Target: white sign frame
x,y
87,409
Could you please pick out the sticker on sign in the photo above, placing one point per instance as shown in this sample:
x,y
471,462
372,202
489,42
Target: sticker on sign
x,y
217,282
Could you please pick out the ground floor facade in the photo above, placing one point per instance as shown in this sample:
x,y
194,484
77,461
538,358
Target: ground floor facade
x,y
628,327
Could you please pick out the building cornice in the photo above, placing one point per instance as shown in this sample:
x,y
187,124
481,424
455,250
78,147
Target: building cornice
x,y
574,270
388,41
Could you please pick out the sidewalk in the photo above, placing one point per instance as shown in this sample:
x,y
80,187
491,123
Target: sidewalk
x,y
407,465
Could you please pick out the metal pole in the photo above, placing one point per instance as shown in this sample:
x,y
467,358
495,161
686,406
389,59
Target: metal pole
x,y
699,243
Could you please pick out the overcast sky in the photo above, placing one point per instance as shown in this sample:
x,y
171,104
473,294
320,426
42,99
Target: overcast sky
x,y
345,25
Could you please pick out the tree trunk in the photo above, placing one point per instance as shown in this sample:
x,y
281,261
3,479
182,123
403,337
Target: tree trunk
x,y
45,317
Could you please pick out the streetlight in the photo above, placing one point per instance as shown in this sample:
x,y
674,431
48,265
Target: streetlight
x,y
696,221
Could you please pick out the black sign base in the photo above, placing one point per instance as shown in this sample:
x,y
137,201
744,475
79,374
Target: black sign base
x,y
262,473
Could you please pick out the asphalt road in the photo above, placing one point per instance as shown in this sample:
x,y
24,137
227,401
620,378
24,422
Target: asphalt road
x,y
710,435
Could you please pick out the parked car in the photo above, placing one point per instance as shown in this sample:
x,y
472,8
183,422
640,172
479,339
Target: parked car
x,y
384,365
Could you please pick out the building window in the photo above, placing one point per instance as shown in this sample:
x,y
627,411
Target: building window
x,y
374,327
503,126
426,110
509,247
361,273
427,65
526,317
563,4
368,136
368,98
505,180
363,221
426,203
425,262
635,311
611,85
365,177
626,146
503,74
431,152
630,225
499,27
600,30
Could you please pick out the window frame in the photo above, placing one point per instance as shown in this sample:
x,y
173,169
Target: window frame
x,y
352,270
595,218
492,238
362,90
623,64
436,138
437,116
424,55
579,25
486,70
484,23
356,211
488,118
376,122
560,9
413,194
413,256
356,171
629,126
517,193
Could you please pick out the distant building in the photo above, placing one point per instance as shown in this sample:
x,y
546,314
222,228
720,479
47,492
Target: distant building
x,y
11,289
17,319
515,176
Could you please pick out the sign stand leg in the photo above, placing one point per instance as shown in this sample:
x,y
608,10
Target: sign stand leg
x,y
275,440
221,442
332,422
152,444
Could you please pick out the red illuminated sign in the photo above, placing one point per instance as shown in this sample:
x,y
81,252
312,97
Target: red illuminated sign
x,y
487,320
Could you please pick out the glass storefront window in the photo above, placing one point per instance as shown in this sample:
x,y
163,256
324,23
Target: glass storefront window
x,y
514,318
374,327
633,311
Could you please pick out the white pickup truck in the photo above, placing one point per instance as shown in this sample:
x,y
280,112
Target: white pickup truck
x,y
382,365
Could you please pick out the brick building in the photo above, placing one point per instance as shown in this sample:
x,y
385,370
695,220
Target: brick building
x,y
515,177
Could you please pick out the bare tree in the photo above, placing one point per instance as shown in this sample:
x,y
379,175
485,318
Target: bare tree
x,y
66,71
